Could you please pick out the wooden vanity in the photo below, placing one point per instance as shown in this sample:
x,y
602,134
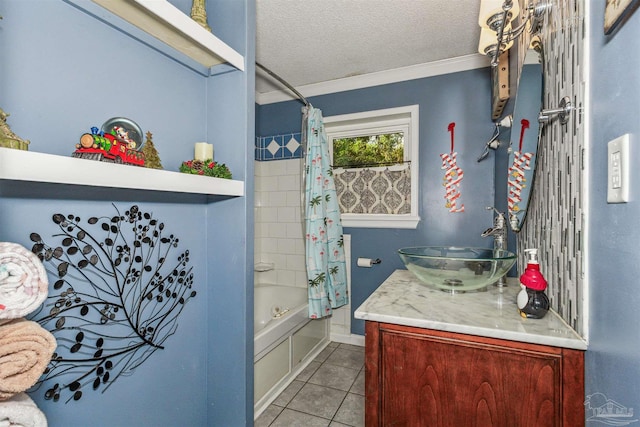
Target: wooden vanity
x,y
435,359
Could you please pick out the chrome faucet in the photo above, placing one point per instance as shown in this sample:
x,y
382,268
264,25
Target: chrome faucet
x,y
499,233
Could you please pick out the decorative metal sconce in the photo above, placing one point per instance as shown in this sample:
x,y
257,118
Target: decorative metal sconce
x,y
494,143
496,16
562,112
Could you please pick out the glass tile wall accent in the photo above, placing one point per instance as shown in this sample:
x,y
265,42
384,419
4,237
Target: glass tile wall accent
x,y
556,216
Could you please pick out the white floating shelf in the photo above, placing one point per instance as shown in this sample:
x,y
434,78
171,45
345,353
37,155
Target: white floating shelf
x,y
19,165
180,36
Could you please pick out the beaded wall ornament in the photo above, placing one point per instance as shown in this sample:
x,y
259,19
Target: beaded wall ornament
x,y
517,180
452,177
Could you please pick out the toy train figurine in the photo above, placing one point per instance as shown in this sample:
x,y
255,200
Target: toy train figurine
x,y
113,147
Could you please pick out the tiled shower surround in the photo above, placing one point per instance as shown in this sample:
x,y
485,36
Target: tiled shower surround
x,y
556,216
278,225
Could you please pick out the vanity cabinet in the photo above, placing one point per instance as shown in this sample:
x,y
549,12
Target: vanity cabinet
x,y
423,377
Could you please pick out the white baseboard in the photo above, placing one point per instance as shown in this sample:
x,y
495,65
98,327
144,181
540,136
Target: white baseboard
x,y
348,339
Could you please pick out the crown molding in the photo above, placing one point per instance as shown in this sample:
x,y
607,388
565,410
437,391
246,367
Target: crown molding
x,y
429,69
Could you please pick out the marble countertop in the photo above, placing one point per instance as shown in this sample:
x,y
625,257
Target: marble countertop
x,y
403,300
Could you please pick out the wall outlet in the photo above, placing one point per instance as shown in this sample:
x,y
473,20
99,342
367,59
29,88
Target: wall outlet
x,y
618,170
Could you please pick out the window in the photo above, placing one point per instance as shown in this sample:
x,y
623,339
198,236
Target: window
x,y
375,166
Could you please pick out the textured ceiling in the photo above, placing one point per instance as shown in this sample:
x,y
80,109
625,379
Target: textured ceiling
x,y
313,41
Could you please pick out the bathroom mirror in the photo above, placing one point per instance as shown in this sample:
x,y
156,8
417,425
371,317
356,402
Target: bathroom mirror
x,y
525,133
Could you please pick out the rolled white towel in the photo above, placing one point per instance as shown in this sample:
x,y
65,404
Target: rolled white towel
x,y
23,281
21,411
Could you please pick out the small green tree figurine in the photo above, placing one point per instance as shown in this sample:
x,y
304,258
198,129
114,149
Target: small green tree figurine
x,y
151,157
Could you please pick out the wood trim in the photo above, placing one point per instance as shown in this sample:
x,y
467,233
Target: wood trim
x,y
500,86
372,382
573,388
459,338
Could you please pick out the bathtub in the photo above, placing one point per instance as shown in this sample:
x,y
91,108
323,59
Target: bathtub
x,y
285,340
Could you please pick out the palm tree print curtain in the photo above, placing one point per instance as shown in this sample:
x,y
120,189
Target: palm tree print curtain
x,y
326,267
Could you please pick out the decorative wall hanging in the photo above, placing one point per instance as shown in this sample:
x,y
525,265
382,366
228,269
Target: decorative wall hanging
x,y
117,298
616,12
118,141
452,177
520,172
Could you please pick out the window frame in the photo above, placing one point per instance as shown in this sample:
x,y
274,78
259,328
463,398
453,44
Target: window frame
x,y
389,120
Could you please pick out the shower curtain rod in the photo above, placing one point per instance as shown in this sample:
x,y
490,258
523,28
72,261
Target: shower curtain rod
x,y
284,82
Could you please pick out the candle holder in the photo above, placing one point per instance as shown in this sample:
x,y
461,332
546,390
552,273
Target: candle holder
x,y
207,168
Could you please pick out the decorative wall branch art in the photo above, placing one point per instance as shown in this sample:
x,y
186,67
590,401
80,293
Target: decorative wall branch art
x,y
616,12
452,177
120,291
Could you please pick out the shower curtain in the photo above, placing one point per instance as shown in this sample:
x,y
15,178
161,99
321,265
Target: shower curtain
x,y
326,267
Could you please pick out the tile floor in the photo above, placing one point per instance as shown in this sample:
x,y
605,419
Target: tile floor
x,y
328,393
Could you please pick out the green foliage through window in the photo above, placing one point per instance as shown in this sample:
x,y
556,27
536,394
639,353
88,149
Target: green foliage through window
x,y
369,150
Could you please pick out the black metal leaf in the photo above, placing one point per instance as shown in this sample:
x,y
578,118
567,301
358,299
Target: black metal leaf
x,y
57,252
62,268
79,336
67,241
81,235
83,263
74,386
76,347
35,237
58,284
37,248
60,323
84,310
92,220
58,218
72,250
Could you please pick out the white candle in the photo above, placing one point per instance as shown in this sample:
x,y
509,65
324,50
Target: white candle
x,y
203,151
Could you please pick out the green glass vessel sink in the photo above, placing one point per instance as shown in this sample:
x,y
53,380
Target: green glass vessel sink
x,y
457,269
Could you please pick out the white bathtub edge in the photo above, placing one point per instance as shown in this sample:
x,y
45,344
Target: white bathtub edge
x,y
268,398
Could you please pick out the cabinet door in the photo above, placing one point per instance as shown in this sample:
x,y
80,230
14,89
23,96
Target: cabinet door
x,y
436,381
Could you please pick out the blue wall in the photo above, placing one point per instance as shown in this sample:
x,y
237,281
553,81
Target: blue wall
x,y
62,72
612,365
464,98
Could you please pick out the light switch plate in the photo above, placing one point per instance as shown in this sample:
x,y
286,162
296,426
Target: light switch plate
x,y
618,170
